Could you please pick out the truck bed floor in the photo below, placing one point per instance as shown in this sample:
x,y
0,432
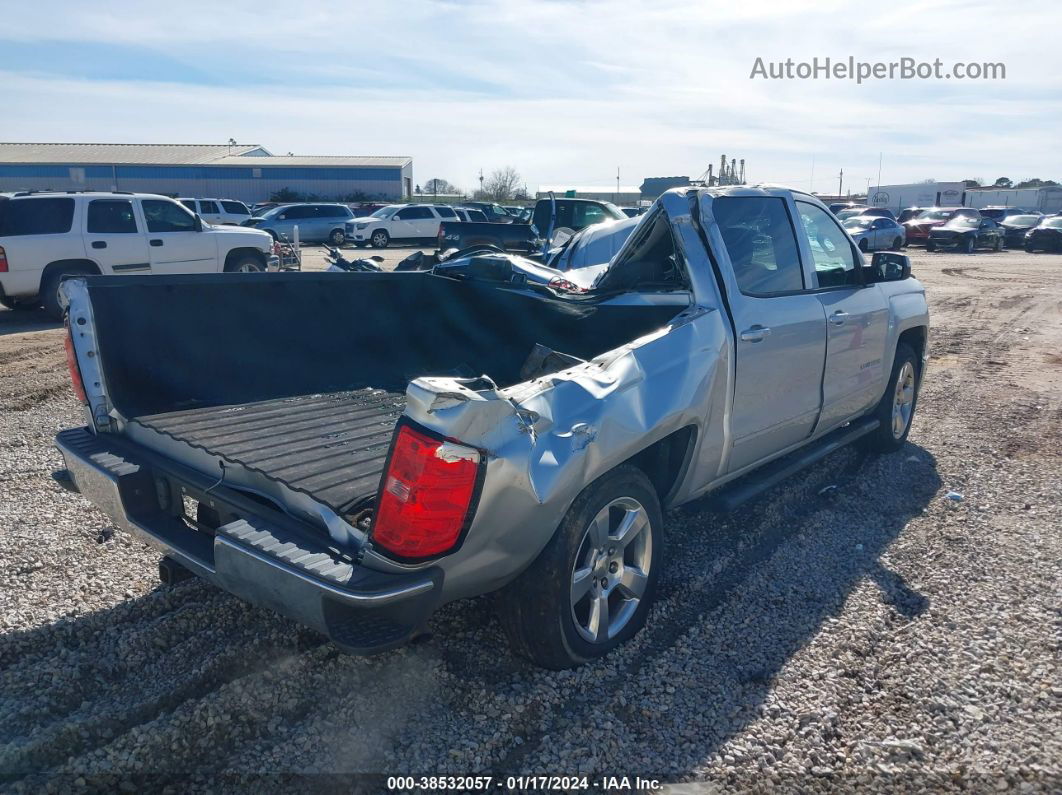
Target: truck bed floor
x,y
332,446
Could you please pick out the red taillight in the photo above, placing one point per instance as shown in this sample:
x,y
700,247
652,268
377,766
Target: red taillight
x,y
426,495
3,260
71,363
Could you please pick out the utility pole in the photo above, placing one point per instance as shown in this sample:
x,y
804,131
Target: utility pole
x,y
481,183
811,182
840,183
617,185
879,170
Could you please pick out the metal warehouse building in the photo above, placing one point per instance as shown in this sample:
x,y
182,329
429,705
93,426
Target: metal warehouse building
x,y
246,172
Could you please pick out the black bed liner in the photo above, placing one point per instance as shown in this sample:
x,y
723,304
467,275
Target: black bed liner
x,y
331,446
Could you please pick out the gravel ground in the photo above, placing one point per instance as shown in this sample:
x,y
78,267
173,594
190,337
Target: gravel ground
x,y
855,628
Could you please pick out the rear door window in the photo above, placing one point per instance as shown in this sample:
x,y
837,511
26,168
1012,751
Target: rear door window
x,y
760,241
189,203
43,216
111,217
235,208
166,216
208,208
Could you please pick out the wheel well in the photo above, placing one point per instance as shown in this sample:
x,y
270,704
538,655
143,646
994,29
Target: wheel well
x,y
916,338
69,266
665,461
239,253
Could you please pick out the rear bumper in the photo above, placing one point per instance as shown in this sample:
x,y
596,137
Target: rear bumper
x,y
264,560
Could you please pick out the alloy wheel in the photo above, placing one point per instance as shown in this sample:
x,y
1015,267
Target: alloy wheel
x,y
903,400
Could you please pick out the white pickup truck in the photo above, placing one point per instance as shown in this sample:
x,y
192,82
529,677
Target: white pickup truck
x,y
416,438
45,236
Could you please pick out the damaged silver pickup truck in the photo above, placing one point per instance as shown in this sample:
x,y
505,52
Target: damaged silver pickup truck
x,y
355,450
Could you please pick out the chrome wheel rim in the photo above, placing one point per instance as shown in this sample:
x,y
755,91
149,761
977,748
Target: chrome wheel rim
x,y
611,570
337,237
903,400
247,267
379,240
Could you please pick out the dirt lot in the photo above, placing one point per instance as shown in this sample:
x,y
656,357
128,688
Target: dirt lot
x,y
899,630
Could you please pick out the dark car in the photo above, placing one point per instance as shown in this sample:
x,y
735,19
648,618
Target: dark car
x,y
837,207
965,233
1016,227
467,214
907,213
1047,236
495,213
1001,214
919,226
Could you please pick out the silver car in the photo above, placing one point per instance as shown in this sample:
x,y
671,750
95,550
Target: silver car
x,y
872,233
317,223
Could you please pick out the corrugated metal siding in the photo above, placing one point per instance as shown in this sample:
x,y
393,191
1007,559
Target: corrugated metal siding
x,y
217,181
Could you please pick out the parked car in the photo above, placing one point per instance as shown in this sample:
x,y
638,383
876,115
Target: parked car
x,y
1016,227
872,233
218,211
964,233
851,211
571,215
837,207
317,223
405,223
919,226
1045,237
1000,214
908,213
468,214
258,208
495,213
880,212
481,435
46,236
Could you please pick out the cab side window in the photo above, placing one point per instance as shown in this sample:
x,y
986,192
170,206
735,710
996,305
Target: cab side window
x,y
835,261
111,216
760,241
167,216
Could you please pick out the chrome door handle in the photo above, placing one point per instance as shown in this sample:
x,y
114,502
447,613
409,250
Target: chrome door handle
x,y
755,334
838,318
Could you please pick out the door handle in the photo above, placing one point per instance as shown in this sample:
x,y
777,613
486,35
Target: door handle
x,y
99,244
156,242
755,333
838,318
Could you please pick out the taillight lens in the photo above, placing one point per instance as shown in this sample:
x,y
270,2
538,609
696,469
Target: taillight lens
x,y
3,260
426,495
71,363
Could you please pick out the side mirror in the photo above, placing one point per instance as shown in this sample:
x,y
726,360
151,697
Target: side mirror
x,y
888,266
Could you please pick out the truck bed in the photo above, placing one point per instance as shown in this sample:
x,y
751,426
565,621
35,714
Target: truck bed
x,y
332,445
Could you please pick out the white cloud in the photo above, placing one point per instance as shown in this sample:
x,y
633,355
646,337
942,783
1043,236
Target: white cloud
x,y
563,91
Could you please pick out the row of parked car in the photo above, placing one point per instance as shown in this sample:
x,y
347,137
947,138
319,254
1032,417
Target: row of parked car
x,y
957,228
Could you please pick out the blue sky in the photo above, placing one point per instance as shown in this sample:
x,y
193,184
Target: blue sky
x,y
565,92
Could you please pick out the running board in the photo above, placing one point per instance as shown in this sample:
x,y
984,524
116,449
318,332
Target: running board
x,y
768,476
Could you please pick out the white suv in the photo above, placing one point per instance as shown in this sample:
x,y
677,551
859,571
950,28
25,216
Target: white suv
x,y
47,235
218,211
408,223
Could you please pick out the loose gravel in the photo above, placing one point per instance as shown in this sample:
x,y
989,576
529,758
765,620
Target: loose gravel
x,y
857,628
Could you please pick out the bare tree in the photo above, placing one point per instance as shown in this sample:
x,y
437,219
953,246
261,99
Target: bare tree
x,y
502,183
438,185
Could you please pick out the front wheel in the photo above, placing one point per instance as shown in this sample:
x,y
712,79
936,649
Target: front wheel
x,y
591,587
380,239
246,264
999,244
970,245
864,246
896,409
337,238
897,244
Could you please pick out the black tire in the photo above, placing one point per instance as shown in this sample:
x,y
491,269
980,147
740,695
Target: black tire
x,y
884,439
380,239
897,244
360,244
1029,249
247,263
864,246
537,609
931,246
999,244
337,238
49,296
970,245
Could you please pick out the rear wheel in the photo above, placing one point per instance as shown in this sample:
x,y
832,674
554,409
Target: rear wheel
x,y
591,587
49,296
380,239
897,244
897,407
863,245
